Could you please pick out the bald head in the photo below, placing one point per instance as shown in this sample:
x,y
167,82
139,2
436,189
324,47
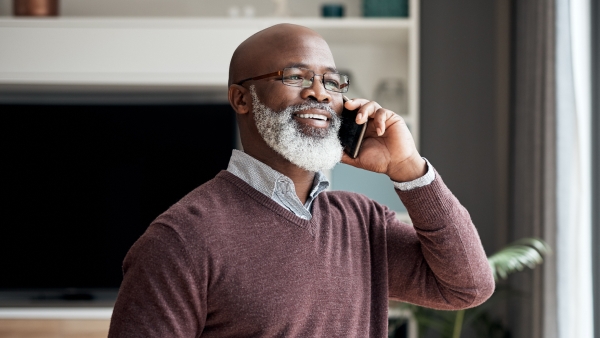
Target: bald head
x,y
275,48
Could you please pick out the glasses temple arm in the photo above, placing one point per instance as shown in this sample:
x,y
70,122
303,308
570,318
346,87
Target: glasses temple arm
x,y
277,73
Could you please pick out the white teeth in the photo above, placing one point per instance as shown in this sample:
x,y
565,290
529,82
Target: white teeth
x,y
312,116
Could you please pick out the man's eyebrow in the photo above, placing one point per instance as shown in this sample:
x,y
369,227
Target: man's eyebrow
x,y
304,65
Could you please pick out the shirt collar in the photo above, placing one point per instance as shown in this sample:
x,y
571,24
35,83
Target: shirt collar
x,y
264,178
320,184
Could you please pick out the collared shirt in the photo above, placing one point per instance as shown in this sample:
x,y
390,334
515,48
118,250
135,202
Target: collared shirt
x,y
274,184
281,189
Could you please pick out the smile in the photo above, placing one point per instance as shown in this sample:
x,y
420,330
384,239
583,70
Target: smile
x,y
312,116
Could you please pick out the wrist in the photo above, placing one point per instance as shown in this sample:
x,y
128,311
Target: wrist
x,y
408,170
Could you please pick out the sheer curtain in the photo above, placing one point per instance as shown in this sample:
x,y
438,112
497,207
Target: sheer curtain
x,y
574,180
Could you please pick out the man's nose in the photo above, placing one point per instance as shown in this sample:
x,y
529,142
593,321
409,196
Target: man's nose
x,y
317,90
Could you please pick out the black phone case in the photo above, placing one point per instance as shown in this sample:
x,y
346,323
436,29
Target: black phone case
x,y
351,134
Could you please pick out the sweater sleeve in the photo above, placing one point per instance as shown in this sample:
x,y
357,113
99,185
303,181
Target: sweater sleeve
x,y
440,262
160,295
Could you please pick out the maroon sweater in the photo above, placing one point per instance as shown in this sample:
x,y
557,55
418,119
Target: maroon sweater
x,y
227,261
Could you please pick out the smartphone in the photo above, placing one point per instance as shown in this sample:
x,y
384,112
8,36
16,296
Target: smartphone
x,y
351,134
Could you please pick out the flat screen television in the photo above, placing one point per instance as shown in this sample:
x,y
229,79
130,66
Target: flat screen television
x,y
80,183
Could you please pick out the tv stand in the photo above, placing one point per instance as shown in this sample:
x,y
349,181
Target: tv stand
x,y
58,298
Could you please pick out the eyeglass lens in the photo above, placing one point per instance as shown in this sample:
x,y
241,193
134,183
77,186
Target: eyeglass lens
x,y
302,77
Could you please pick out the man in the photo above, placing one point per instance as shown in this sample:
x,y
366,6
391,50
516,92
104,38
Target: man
x,y
263,251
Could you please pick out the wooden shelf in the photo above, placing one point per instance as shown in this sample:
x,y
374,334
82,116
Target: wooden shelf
x,y
23,328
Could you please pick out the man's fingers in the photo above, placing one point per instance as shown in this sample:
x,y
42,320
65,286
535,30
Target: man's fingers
x,y
355,103
381,120
367,111
348,160
371,110
380,117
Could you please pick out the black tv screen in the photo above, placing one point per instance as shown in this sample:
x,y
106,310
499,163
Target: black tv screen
x,y
80,183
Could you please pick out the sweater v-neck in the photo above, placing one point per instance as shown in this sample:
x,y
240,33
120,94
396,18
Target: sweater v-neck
x,y
311,225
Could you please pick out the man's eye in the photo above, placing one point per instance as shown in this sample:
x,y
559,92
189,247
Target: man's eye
x,y
332,83
295,77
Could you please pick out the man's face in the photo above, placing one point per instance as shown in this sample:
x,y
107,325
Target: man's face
x,y
307,134
305,51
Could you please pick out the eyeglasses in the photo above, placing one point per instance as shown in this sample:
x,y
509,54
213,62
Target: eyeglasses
x,y
302,77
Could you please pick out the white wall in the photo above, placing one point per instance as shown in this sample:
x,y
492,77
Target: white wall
x,y
186,7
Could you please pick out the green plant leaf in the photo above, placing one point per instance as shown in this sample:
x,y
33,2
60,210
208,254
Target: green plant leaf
x,y
527,252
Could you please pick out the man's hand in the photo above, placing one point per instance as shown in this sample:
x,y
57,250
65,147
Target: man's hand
x,y
388,146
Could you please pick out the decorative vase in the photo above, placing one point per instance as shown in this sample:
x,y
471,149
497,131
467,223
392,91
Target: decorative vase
x,y
332,10
35,7
383,8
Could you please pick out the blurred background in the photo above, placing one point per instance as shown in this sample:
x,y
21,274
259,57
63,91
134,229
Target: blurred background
x,y
113,110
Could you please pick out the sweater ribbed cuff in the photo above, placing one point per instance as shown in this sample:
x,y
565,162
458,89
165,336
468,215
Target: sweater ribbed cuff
x,y
431,204
419,182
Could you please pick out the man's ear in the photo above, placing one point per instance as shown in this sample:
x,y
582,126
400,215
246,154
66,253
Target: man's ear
x,y
239,99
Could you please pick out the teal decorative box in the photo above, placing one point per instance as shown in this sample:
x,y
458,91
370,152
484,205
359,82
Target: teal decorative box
x,y
389,8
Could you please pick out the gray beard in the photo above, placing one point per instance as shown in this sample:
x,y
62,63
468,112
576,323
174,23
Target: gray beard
x,y
313,150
